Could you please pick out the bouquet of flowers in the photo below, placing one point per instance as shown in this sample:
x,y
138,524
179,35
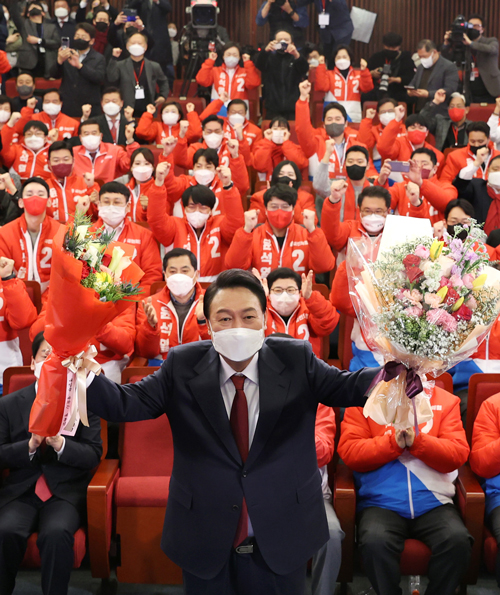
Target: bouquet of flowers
x,y
424,305
92,280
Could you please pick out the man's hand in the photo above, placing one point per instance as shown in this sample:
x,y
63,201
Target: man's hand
x,y
150,312
376,74
286,7
82,204
447,38
410,437
162,170
415,173
212,56
129,133
143,199
6,183
413,194
117,52
305,90
233,146
329,148
225,175
291,49
128,112
307,285
263,282
12,38
198,311
74,60
32,39
86,110
159,100
6,267
14,119
497,107
120,19
399,110
421,93
246,57
371,113
169,145
438,229
34,442
63,54
183,128
238,129
385,172
439,97
467,40
481,156
89,179
268,134
337,191
151,109
94,197
321,60
251,220
224,96
53,135
190,107
31,103
308,220
401,438
271,46
363,64
286,135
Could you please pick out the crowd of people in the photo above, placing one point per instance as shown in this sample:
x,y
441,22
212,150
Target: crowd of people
x,y
198,191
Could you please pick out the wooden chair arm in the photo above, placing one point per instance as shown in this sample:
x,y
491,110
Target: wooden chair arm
x,y
137,362
99,515
344,501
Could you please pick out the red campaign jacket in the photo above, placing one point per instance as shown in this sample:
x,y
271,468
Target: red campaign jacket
x,y
211,247
324,432
311,321
63,198
151,342
369,133
302,251
137,211
458,159
305,200
350,89
24,161
436,195
339,294
155,131
244,78
112,161
14,242
17,311
66,126
267,155
485,451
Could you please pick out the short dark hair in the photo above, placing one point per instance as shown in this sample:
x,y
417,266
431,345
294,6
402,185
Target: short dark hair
x,y
212,118
493,159
392,40
147,153
284,273
131,31
284,30
37,342
375,192
35,180
425,151
358,149
493,239
478,127
277,169
59,145
90,121
201,195
21,72
426,44
282,120
231,44
35,124
109,90
236,101
461,203
176,252
283,192
88,28
211,156
345,47
5,99
232,279
175,104
53,89
334,105
413,119
115,188
96,12
385,100
476,15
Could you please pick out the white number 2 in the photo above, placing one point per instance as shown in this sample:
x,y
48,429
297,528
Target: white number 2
x,y
215,241
303,330
241,85
47,255
355,86
299,255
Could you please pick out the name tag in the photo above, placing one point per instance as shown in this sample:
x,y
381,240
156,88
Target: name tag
x,y
139,93
323,19
41,49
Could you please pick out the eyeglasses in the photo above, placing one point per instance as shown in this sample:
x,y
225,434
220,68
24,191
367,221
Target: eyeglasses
x,y
289,290
197,207
365,212
271,207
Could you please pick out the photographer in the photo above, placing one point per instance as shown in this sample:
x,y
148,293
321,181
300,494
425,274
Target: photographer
x,y
284,13
481,54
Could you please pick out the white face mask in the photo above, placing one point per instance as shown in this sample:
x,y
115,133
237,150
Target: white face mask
x,y
427,62
213,140
136,50
172,32
235,119
238,344
342,63
197,219
142,173
91,142
231,61
73,14
284,304
35,143
313,63
204,176
51,109
170,118
38,369
4,115
112,215
180,284
373,223
386,118
111,109
278,136
494,179
61,13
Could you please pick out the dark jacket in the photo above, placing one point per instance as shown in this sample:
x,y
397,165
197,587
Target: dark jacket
x,y
67,477
476,192
439,125
340,28
402,65
154,16
279,480
444,75
67,30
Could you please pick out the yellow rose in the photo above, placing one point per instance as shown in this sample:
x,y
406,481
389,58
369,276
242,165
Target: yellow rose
x,y
435,249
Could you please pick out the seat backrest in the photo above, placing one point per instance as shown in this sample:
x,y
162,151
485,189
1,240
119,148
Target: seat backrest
x,y
192,89
345,344
445,381
481,387
35,292
480,112
199,103
16,378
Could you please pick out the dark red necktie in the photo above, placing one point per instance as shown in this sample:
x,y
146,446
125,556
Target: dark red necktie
x,y
239,426
42,489
114,131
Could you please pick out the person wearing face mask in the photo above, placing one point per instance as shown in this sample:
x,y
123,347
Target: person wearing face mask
x,y
280,241
104,160
472,160
25,87
46,489
276,147
136,76
494,124
174,315
142,167
449,130
173,123
28,239
289,14
172,33
41,40
313,54
101,21
5,114
113,120
207,235
29,157
344,84
84,10
82,71
433,73
66,26
286,172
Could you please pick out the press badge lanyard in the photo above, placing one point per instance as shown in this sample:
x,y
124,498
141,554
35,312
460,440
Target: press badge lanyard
x,y
323,17
139,91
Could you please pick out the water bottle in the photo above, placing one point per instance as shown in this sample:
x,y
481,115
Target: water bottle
x,y
415,585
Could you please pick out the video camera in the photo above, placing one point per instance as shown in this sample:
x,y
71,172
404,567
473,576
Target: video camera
x,y
461,26
384,79
203,14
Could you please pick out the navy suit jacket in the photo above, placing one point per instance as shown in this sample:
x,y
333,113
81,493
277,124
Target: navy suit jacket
x,y
280,479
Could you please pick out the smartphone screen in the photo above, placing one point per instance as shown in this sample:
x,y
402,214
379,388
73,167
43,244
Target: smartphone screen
x,y
65,43
400,166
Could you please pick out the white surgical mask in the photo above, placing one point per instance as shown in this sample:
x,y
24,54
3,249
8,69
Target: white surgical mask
x,y
284,304
213,140
313,63
170,118
180,284
38,369
277,136
427,62
136,50
238,344
204,176
386,118
91,142
111,109
494,179
4,115
112,215
342,63
172,32
73,14
51,109
61,13
197,219
35,143
142,173
373,223
235,119
231,61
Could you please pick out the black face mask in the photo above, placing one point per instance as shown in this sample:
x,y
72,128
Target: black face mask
x,y
101,26
451,231
473,34
25,90
474,150
34,12
286,180
334,130
355,172
391,54
81,44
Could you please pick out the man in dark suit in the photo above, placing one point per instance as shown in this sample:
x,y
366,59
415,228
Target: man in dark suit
x,y
66,26
114,118
46,488
245,509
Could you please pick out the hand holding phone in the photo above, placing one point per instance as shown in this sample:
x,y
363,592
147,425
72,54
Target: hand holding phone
x,y
64,43
400,166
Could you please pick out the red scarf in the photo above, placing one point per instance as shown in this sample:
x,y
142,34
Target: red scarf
x,y
101,41
493,218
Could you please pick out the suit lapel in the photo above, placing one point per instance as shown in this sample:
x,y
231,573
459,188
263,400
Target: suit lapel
x,y
24,401
149,77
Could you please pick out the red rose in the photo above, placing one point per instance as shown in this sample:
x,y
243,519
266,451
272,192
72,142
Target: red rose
x,y
463,313
445,282
106,260
85,270
451,297
414,274
411,260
